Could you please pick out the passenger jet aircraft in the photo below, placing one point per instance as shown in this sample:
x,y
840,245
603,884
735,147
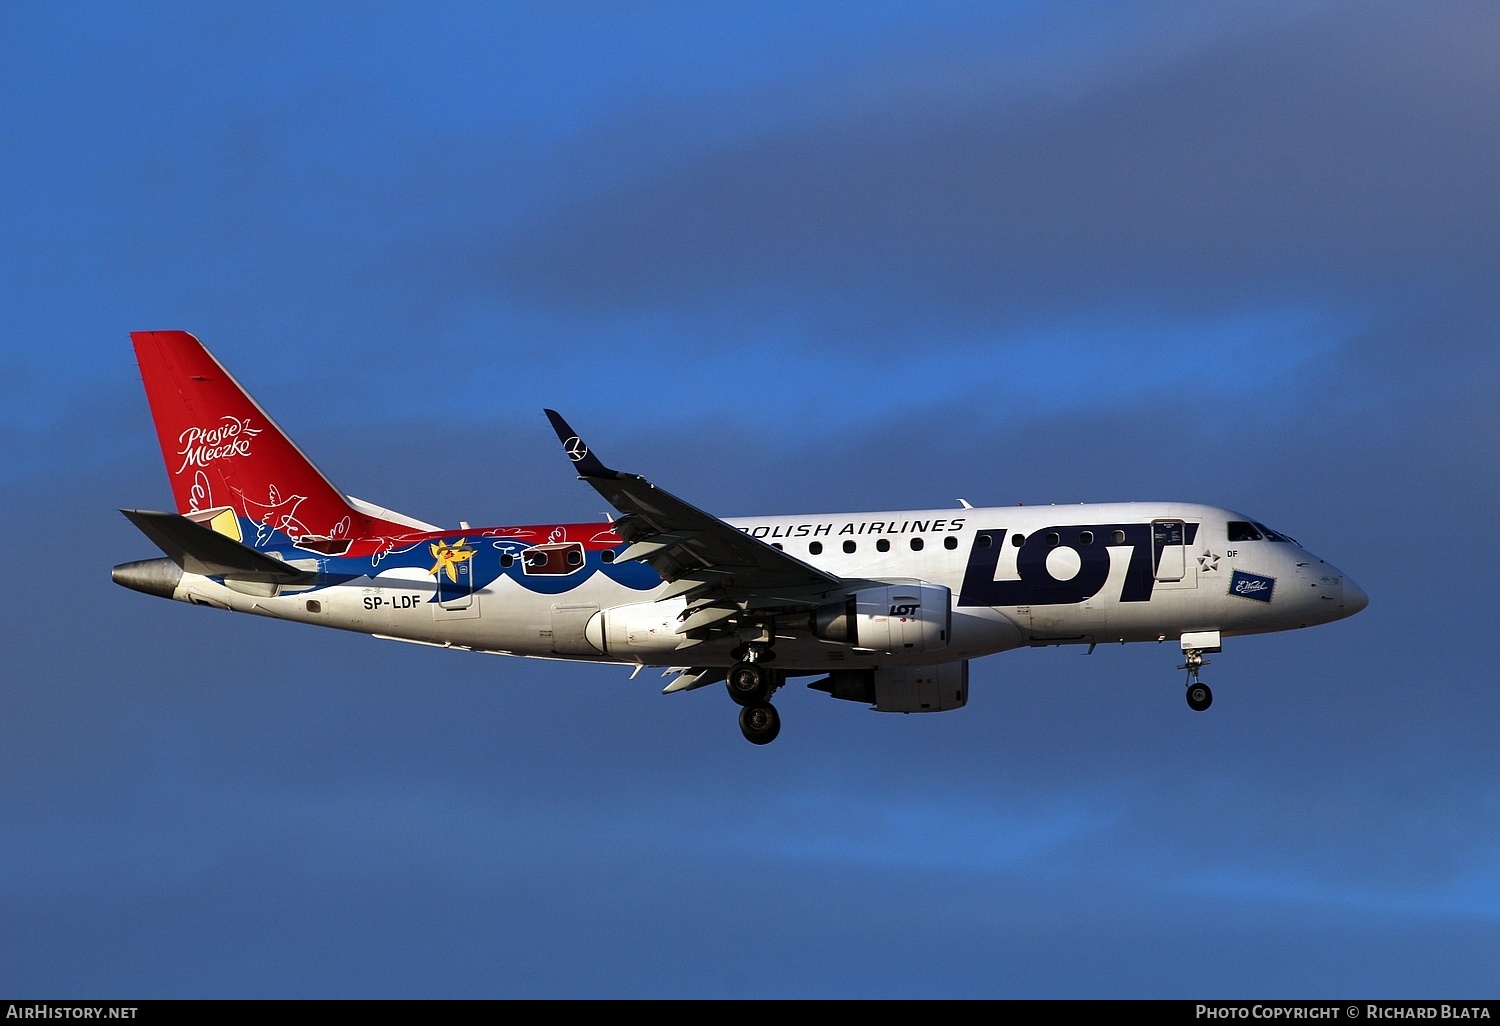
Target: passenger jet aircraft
x,y
881,608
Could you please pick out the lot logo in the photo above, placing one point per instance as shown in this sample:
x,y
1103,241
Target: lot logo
x,y
1001,574
1252,586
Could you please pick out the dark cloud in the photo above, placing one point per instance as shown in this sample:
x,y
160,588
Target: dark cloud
x,y
1331,160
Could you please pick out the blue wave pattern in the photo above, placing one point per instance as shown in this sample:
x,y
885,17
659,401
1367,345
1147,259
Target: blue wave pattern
x,y
486,559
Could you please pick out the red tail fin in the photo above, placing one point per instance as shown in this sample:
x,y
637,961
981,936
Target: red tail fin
x,y
224,453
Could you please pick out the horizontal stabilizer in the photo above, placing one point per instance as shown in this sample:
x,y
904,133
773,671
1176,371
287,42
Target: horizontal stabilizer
x,y
204,551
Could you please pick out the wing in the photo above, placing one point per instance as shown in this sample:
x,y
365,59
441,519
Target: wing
x,y
721,571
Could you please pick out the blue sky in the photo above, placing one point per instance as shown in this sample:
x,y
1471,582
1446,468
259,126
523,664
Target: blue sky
x,y
779,259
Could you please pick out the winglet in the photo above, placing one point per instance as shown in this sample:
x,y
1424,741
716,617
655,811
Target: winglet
x,y
578,451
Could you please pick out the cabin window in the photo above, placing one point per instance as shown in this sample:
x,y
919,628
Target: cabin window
x,y
1053,539
916,544
575,558
984,541
608,555
314,606
1240,531
1018,540
883,545
507,560
1117,538
849,546
816,548
536,560
950,542
1085,537
776,546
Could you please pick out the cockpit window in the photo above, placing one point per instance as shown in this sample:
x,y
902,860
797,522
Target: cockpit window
x,y
1241,531
1276,536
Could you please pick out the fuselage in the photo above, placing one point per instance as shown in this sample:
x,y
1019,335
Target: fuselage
x,y
1013,576
885,609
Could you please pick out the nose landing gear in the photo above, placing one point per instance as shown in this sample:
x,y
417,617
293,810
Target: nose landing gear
x,y
1199,695
1195,644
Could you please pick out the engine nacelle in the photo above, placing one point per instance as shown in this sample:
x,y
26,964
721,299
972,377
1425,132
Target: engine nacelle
x,y
895,619
905,689
637,631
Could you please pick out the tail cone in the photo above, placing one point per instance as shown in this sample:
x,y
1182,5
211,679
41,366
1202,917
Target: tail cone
x,y
152,576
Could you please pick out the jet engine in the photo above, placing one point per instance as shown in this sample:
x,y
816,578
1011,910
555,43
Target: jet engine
x,y
896,619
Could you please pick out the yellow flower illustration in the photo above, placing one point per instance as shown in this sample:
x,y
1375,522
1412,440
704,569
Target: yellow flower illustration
x,y
448,556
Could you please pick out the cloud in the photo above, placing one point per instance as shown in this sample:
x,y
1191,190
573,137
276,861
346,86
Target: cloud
x,y
1336,157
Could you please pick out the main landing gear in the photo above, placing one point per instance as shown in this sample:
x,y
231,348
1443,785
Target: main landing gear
x,y
751,683
1199,695
760,723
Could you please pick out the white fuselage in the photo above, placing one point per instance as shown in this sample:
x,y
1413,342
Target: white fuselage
x,y
1024,575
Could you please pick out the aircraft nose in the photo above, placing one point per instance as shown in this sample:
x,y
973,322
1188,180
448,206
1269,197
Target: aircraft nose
x,y
1355,598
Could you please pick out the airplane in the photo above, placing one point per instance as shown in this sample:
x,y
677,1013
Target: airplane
x,y
885,608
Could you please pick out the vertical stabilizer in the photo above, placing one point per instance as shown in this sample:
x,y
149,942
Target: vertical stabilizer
x,y
231,467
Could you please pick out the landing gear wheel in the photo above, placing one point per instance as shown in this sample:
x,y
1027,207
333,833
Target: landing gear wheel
x,y
748,684
1199,697
760,723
